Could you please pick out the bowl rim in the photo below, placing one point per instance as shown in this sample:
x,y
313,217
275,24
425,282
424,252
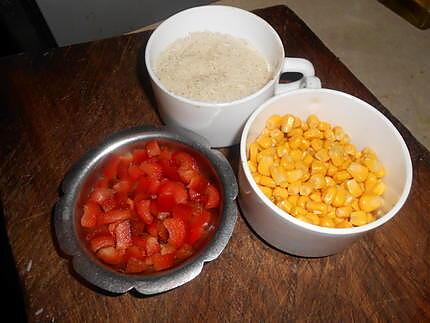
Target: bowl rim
x,y
101,275
205,104
311,227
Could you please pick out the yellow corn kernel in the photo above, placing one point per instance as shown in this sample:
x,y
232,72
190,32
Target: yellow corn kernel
x,y
252,166
339,134
264,165
379,189
287,162
368,152
358,171
329,181
295,132
279,174
253,152
350,149
274,122
317,181
355,205
331,213
369,203
354,188
341,176
370,217
302,201
329,195
277,135
329,135
294,188
345,140
339,199
294,142
296,155
331,170
308,159
313,121
316,207
305,126
317,144
314,218
264,141
287,123
322,155
256,177
374,166
371,182
313,133
349,198
318,167
280,193
282,150
293,199
344,224
323,126
267,181
315,196
285,205
358,218
326,222
298,210
305,189
344,212
271,151
266,190
294,175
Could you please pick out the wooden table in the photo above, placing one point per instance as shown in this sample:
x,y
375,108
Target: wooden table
x,y
58,105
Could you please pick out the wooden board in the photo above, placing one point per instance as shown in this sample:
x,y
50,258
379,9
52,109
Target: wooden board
x,y
56,106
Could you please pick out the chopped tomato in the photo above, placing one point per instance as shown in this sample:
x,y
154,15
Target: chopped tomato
x,y
184,252
109,204
139,241
114,216
143,210
121,200
101,194
166,249
135,265
151,169
123,166
152,148
213,197
101,241
152,246
166,154
123,186
162,262
198,227
177,189
184,160
149,185
102,183
177,230
134,172
198,183
123,235
153,229
110,255
182,211
91,213
137,227
170,170
163,234
165,202
135,252
111,168
139,155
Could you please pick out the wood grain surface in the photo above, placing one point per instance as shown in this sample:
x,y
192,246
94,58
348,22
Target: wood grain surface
x,y
56,106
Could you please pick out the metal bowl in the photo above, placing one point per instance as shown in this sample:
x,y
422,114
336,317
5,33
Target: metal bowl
x,y
77,184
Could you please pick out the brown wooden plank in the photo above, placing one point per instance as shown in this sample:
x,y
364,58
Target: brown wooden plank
x,y
56,106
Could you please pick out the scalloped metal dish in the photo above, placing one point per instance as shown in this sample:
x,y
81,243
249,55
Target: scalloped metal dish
x,y
102,276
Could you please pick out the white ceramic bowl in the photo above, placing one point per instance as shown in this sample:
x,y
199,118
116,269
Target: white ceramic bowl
x,y
367,128
222,123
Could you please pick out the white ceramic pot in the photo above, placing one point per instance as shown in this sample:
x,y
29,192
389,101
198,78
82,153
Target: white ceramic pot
x,y
367,128
222,123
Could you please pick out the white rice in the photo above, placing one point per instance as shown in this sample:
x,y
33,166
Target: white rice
x,y
212,67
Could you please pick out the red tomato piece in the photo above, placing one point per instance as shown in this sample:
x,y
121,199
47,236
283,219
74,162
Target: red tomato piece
x,y
139,241
135,252
151,169
198,183
162,262
198,227
153,229
110,255
184,160
102,183
197,196
123,166
149,185
152,148
213,197
182,211
101,241
170,170
114,216
143,210
91,213
140,196
165,202
177,189
111,168
134,172
109,204
121,200
139,155
163,234
177,231
101,194
166,249
184,252
123,235
135,265
123,186
152,246
165,154
137,227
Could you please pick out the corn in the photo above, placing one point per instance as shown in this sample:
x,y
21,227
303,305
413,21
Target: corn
x,y
331,170
343,212
277,135
257,178
339,199
379,189
355,205
313,133
274,122
329,135
308,159
264,141
322,155
302,201
359,172
294,188
323,126
312,121
297,211
314,219
294,175
252,166
329,181
264,165
295,132
266,190
369,203
338,133
253,151
293,199
370,217
279,174
267,181
326,222
354,188
375,166
316,207
358,218
341,176
287,162
317,181
282,150
315,196
287,123
296,155
329,195
285,205
344,224
371,182
280,193
349,198
318,167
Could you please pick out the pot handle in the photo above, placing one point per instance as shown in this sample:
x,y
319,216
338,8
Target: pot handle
x,y
302,66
